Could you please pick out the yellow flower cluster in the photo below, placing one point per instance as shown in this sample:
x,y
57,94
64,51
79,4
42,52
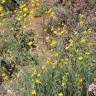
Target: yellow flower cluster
x,y
33,5
83,40
47,38
53,43
17,36
60,94
59,31
23,10
50,13
31,11
4,76
1,8
33,92
80,58
81,20
43,67
30,43
1,11
86,32
2,1
48,60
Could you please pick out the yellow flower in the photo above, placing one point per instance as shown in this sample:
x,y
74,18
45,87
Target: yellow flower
x,y
49,11
37,4
48,60
85,32
90,44
87,53
22,6
55,32
1,8
83,40
80,58
2,14
60,94
55,62
63,84
80,82
30,43
25,9
52,28
64,80
53,43
17,36
33,92
38,75
81,23
89,30
3,75
18,18
62,31
34,73
81,19
52,15
24,26
24,14
43,67
81,15
37,80
47,38
3,1
56,54
6,77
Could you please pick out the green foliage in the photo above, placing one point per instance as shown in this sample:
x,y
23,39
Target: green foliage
x,y
68,30
40,10
15,51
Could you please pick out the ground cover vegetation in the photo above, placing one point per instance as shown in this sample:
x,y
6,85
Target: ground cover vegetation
x,y
47,48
